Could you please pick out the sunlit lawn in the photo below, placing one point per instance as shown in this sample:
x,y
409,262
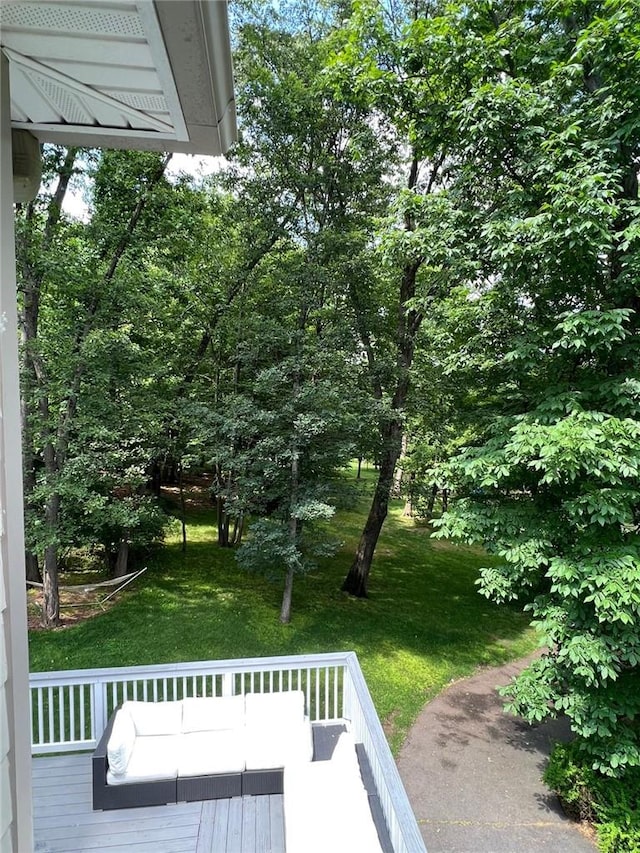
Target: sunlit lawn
x,y
423,625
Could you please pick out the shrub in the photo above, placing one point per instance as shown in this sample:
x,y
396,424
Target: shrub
x,y
610,804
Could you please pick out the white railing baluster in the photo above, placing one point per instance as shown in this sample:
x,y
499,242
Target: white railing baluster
x,y
325,716
51,731
72,713
40,716
227,684
83,698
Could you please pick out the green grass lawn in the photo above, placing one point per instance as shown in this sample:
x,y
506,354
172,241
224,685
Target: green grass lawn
x,y
423,625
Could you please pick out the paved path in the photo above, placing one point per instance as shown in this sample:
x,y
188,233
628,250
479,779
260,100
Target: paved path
x,y
473,775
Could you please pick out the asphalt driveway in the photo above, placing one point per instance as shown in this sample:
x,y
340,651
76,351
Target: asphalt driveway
x,y
473,775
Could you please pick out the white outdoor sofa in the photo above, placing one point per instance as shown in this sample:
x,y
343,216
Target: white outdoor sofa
x,y
153,753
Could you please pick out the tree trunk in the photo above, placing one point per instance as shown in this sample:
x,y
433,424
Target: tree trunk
x,y
408,507
220,513
359,468
155,477
29,462
33,569
122,559
238,525
182,510
287,595
226,537
51,599
50,595
357,579
397,477
285,610
432,500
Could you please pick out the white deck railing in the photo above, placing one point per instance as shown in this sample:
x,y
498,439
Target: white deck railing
x,y
70,709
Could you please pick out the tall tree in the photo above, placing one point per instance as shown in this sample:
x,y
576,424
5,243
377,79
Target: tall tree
x,y
322,152
37,232
72,299
553,489
384,65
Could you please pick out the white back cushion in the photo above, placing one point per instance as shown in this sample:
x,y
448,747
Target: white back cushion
x,y
121,741
279,709
206,715
155,718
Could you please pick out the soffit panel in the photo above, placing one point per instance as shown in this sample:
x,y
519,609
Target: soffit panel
x,y
97,69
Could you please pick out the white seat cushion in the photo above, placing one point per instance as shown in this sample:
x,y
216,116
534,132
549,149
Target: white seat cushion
x,y
208,753
154,757
278,745
211,714
121,741
327,809
155,718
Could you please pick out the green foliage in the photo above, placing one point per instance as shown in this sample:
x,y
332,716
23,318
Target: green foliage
x,y
269,550
550,486
612,805
554,494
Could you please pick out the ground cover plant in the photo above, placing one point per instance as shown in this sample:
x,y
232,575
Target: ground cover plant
x,y
423,625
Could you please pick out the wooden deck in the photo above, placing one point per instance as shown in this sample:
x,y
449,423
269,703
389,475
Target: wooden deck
x,y
64,820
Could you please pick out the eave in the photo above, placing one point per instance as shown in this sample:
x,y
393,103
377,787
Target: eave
x,y
152,74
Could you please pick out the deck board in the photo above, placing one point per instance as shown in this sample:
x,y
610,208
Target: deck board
x,y
276,821
248,824
64,821
216,827
263,828
234,830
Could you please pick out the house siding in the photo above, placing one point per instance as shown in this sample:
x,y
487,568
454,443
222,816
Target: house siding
x,y
6,810
16,832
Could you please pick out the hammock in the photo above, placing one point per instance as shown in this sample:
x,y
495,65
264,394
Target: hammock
x,y
118,583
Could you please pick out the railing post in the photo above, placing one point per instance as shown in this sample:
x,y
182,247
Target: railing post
x,y
227,684
99,709
347,694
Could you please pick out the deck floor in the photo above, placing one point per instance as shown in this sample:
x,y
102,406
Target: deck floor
x,y
64,820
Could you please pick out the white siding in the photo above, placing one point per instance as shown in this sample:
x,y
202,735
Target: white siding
x,y
6,812
15,758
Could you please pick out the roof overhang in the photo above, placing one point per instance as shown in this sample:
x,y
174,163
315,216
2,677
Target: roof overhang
x,y
146,74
